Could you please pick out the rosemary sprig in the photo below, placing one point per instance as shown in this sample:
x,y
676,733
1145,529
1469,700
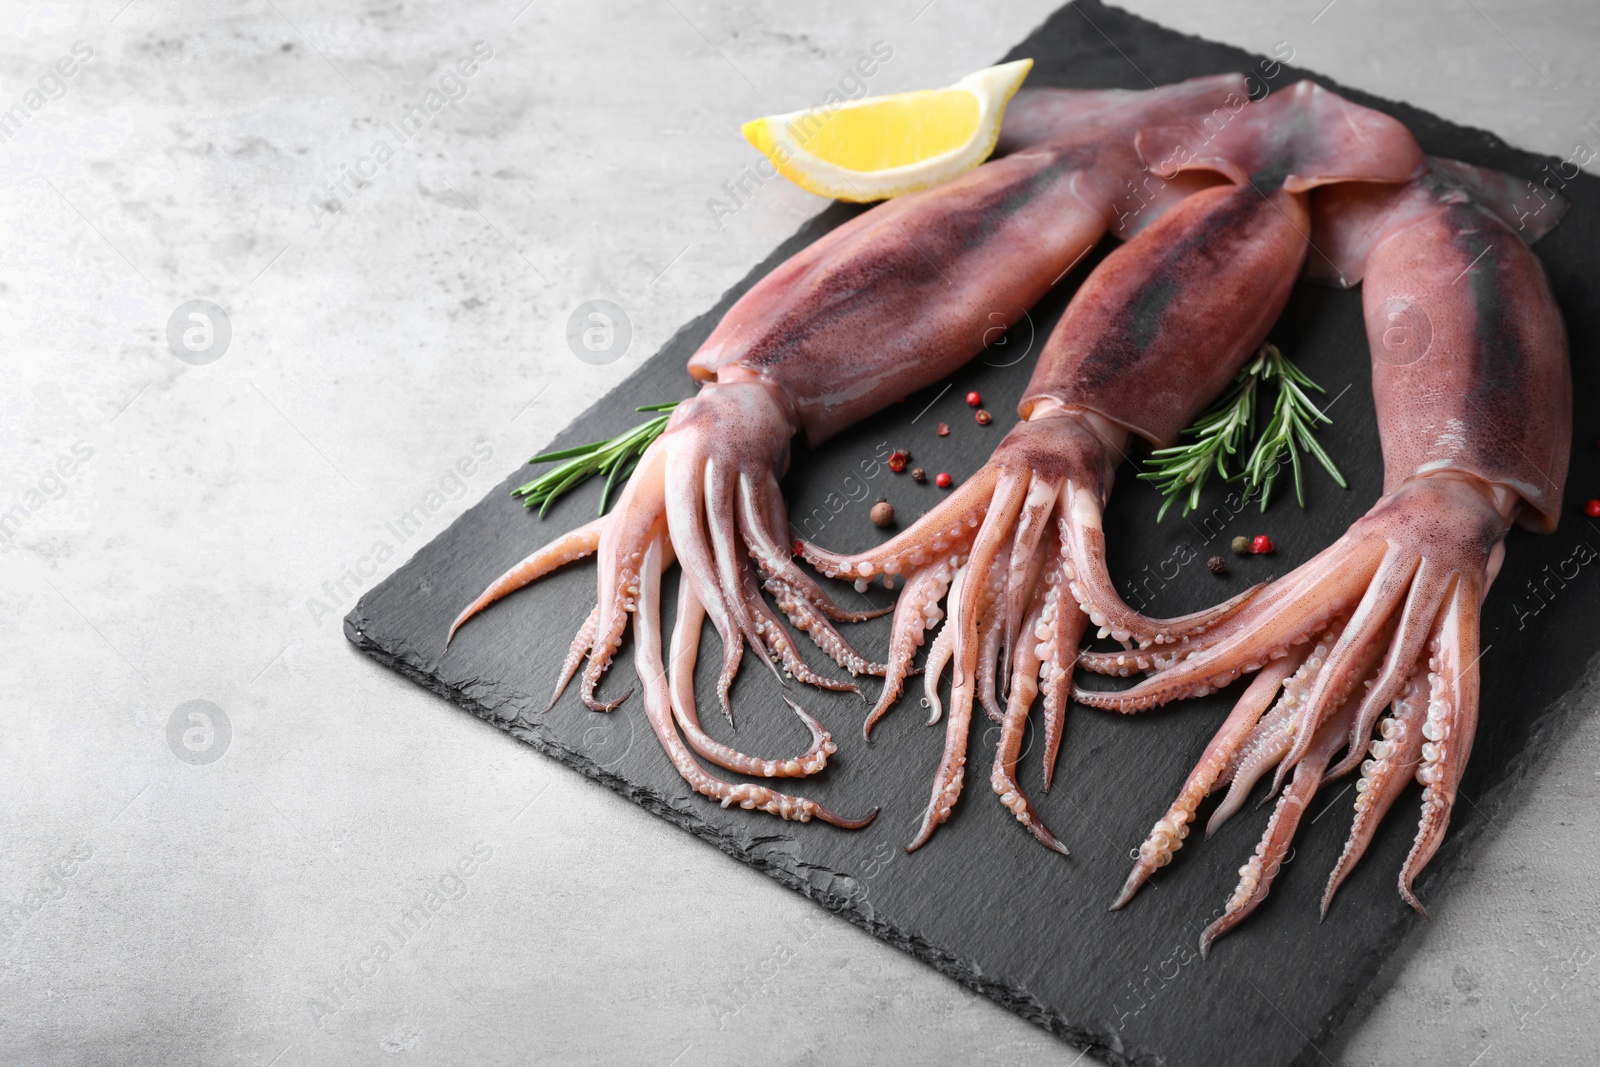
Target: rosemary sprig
x,y
615,458
1291,428
1180,471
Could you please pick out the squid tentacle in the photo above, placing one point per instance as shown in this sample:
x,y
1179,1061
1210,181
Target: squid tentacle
x,y
916,612
623,540
1327,593
619,590
1262,607
605,646
1026,663
1416,619
1023,573
755,621
685,652
1169,832
1098,598
1257,875
991,634
1274,734
658,709
558,553
684,510
948,528
1350,657
942,649
802,613
738,590
757,496
580,648
1065,627
1041,660
964,615
1393,762
775,639
1428,590
1448,729
806,606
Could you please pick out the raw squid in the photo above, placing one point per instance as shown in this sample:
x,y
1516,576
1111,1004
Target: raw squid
x,y
1473,393
887,303
1160,328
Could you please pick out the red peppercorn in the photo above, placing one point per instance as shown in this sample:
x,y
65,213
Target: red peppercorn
x,y
1592,509
799,547
942,480
974,400
1261,544
897,462
944,429
983,417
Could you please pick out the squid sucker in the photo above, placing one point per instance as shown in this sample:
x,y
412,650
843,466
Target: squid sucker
x,y
1155,333
893,300
1473,392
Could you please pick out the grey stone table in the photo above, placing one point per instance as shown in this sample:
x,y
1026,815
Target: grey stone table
x,y
212,809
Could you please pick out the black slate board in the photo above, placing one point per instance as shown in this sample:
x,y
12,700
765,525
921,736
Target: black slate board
x,y
983,902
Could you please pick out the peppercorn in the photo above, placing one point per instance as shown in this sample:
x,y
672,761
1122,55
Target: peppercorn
x,y
798,548
942,480
944,429
1216,565
1592,509
882,513
983,417
1262,545
897,461
1241,545
974,400
919,475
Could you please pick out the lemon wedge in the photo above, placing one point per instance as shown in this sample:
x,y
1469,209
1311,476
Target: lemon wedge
x,y
883,146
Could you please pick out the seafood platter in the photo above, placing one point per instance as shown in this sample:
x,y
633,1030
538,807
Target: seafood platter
x,y
1122,557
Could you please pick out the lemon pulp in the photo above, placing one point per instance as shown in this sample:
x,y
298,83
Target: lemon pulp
x,y
893,132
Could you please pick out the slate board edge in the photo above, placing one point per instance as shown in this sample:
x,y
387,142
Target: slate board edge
x,y
810,880
814,881
1548,729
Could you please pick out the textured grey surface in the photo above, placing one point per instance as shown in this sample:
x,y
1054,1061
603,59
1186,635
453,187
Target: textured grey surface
x,y
200,551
